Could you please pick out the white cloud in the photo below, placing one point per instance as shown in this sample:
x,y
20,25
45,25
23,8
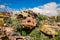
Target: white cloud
x,y
6,8
49,9
2,6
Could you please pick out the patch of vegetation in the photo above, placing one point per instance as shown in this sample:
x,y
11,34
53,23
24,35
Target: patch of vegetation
x,y
34,33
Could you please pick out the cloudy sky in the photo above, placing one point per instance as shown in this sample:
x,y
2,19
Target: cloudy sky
x,y
49,9
46,7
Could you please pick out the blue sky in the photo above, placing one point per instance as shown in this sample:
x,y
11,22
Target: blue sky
x,y
17,4
45,7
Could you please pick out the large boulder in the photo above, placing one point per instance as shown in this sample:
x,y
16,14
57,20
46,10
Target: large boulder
x,y
28,19
50,30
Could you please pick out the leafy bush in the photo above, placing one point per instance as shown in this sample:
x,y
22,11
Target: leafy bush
x,y
41,17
